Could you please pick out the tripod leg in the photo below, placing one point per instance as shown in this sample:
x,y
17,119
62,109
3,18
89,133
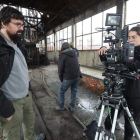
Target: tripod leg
x,y
114,123
99,122
101,134
106,138
130,118
110,135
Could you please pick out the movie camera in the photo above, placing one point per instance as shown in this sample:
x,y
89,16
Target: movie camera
x,y
116,64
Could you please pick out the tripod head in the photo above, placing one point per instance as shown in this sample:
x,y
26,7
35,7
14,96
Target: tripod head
x,y
113,85
115,80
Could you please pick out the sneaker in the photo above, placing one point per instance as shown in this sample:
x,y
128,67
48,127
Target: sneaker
x,y
117,126
71,109
40,136
60,109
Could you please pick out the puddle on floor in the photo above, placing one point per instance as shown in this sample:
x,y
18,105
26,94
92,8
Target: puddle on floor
x,y
85,104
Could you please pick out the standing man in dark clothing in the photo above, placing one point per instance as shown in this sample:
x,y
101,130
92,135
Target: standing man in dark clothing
x,y
15,98
69,73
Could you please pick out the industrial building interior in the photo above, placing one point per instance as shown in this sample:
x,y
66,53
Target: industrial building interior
x,y
50,23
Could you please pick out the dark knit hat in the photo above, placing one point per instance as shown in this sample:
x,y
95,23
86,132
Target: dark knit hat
x,y
65,45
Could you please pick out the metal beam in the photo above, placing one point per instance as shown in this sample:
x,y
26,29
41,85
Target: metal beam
x,y
45,6
20,6
18,1
60,11
32,26
37,23
28,2
32,17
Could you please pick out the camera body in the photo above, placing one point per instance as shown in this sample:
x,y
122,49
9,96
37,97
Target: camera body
x,y
118,57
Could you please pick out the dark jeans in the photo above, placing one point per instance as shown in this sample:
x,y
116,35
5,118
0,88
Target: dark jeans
x,y
63,88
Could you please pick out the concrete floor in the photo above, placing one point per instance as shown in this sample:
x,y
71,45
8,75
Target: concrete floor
x,y
59,124
65,127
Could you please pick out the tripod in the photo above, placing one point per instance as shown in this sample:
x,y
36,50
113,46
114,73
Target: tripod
x,y
114,84
115,103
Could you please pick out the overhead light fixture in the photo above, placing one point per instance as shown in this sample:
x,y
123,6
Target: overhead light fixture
x,y
48,16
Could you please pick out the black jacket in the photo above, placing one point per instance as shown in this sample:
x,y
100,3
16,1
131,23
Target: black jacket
x,y
132,88
6,62
76,51
68,66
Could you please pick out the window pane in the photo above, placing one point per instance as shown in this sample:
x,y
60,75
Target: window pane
x,y
132,13
48,39
69,32
65,33
111,10
96,40
79,43
96,24
61,34
87,42
52,37
50,42
48,46
61,42
52,46
58,46
87,26
42,42
65,40
57,36
79,28
69,40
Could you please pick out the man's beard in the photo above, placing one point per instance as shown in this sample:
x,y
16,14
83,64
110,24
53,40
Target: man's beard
x,y
15,37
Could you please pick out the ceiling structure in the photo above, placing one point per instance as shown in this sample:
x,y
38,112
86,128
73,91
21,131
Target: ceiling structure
x,y
59,11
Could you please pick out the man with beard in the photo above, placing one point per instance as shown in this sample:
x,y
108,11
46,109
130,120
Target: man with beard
x,y
15,97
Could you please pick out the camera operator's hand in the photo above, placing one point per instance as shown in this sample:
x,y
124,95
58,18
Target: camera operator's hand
x,y
102,50
134,66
